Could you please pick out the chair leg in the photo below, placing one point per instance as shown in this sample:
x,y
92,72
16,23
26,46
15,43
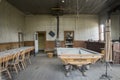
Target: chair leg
x,y
22,65
9,74
16,68
19,66
29,60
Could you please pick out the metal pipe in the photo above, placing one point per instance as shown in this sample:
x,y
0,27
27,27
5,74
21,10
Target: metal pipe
x,y
57,26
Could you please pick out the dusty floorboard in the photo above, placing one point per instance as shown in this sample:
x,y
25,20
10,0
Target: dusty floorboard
x,y
44,68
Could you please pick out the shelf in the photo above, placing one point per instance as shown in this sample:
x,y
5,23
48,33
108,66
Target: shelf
x,y
68,38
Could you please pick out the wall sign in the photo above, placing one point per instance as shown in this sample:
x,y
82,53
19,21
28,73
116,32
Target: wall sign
x,y
51,33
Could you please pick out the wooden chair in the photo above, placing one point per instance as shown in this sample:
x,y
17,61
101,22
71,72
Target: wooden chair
x,y
4,65
27,56
22,59
14,63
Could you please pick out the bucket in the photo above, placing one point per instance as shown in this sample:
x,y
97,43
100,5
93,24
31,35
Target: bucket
x,y
50,55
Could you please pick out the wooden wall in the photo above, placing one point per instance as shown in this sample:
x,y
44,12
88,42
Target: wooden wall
x,y
28,43
80,44
51,44
10,45
95,46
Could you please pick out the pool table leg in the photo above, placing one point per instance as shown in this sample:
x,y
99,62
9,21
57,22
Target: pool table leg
x,y
68,69
82,69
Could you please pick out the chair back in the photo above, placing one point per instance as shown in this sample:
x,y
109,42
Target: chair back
x,y
22,55
4,61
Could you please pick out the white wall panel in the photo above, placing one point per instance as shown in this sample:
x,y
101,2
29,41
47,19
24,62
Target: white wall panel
x,y
40,23
115,27
84,26
11,22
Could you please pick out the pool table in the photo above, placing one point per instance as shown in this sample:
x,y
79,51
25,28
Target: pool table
x,y
77,57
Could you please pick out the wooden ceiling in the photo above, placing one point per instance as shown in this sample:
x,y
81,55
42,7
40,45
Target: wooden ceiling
x,y
68,7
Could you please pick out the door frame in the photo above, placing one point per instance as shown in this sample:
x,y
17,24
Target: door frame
x,y
42,32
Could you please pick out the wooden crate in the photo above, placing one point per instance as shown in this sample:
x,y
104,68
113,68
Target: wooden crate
x,y
116,52
116,57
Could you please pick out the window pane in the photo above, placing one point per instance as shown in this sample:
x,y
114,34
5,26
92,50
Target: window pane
x,y
102,36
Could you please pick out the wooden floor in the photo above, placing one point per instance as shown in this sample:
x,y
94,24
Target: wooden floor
x,y
44,68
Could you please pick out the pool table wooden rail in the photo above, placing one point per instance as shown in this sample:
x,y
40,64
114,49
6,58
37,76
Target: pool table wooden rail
x,y
80,59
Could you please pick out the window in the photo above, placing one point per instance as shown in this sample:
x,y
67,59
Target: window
x,y
102,32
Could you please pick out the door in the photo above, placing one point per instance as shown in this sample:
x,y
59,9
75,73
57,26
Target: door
x,y
41,40
20,39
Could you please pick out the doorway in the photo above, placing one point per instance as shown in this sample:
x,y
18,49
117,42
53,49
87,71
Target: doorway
x,y
41,40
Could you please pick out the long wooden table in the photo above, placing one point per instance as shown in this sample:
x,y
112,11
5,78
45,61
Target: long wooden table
x,y
14,51
11,52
